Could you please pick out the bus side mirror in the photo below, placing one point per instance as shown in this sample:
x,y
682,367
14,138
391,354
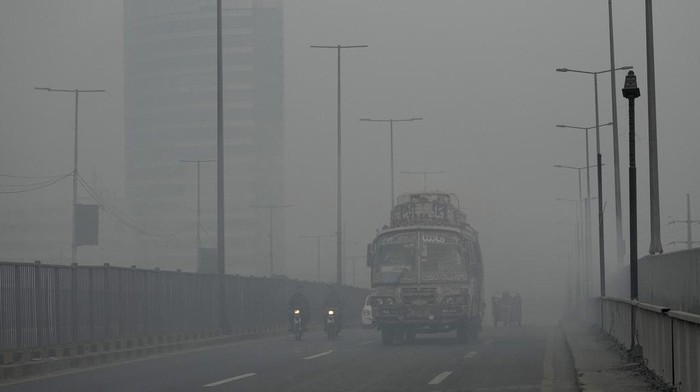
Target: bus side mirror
x,y
371,249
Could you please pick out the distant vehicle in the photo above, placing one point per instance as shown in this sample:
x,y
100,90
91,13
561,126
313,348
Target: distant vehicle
x,y
507,309
332,327
427,272
298,327
366,317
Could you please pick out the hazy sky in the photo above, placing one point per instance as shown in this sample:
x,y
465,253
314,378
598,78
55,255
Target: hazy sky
x,y
481,73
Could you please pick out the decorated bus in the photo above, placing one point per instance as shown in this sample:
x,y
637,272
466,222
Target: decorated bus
x,y
427,271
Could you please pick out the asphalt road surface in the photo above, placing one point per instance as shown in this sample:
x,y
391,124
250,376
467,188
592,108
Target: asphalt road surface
x,y
502,359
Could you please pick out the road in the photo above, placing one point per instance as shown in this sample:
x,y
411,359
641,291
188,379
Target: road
x,y
502,359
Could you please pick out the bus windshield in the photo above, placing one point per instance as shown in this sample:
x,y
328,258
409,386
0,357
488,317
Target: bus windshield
x,y
442,257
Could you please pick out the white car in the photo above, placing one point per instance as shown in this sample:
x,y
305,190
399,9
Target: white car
x,y
367,319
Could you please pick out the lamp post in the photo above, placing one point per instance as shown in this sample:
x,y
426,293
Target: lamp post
x,y
587,204
76,92
584,247
339,245
318,251
391,122
578,250
616,146
654,210
425,176
631,92
601,223
270,207
220,202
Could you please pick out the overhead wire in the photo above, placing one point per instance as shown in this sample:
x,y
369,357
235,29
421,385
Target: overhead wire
x,y
31,184
34,177
122,218
44,185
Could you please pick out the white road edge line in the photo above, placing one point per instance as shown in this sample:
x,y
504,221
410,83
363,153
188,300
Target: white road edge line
x,y
319,354
217,383
548,365
367,342
470,354
439,378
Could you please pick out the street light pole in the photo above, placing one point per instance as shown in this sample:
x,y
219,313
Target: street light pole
x,y
654,210
601,223
318,252
631,92
391,122
585,249
616,147
339,250
270,207
76,92
220,214
588,225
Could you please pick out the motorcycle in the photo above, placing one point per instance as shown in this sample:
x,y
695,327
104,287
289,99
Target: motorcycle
x,y
332,327
297,326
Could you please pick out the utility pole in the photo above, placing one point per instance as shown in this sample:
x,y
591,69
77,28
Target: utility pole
x,y
220,215
689,222
74,244
654,210
391,122
270,207
318,252
339,245
631,92
425,176
616,148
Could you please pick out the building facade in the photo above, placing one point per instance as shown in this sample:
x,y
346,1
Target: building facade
x,y
170,115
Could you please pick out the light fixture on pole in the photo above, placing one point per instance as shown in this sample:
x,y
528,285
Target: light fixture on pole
x,y
391,122
76,92
601,223
339,207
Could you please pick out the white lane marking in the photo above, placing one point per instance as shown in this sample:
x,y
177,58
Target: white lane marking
x,y
144,359
230,379
487,342
439,378
319,354
470,354
367,342
548,365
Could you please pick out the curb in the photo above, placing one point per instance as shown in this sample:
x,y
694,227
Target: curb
x,y
34,366
577,372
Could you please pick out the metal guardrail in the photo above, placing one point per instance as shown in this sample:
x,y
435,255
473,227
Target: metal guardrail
x,y
670,340
55,305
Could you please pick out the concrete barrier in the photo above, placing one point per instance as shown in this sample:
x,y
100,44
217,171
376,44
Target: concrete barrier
x,y
668,340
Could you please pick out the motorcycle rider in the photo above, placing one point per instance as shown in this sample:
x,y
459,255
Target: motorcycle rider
x,y
298,301
335,301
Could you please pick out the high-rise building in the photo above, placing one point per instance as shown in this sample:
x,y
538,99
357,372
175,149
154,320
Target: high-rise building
x,y
170,115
